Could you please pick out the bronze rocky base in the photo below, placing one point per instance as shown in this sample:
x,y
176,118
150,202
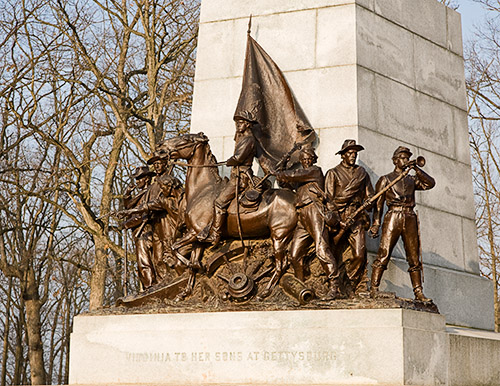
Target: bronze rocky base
x,y
236,281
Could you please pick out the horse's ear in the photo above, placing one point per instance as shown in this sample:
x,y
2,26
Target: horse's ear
x,y
201,137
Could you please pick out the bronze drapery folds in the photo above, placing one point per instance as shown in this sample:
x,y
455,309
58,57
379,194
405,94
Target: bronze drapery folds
x,y
267,99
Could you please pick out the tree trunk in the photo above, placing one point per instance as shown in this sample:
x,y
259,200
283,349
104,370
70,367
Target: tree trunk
x,y
19,354
64,360
5,352
98,278
33,329
52,343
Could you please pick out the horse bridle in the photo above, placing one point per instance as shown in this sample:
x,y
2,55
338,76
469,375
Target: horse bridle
x,y
192,152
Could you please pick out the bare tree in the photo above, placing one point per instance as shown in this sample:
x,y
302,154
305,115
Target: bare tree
x,y
483,88
134,60
450,3
486,174
25,247
87,90
24,242
121,79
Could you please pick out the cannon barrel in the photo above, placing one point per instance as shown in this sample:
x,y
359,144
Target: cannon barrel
x,y
296,289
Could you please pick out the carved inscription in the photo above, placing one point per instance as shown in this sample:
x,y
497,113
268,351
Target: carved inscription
x,y
233,356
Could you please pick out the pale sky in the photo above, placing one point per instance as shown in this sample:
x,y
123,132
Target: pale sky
x,y
472,14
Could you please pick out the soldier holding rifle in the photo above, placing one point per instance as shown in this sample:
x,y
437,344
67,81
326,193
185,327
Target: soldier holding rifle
x,y
171,201
165,224
400,220
136,195
347,186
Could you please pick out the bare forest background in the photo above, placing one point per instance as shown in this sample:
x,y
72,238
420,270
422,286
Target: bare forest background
x,y
87,88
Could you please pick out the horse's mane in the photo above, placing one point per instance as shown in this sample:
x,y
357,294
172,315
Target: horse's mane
x,y
212,159
200,137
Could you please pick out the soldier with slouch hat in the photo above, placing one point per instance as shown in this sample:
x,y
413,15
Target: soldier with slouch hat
x,y
347,186
136,195
165,225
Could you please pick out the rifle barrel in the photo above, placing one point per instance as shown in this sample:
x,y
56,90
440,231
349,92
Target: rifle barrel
x,y
368,202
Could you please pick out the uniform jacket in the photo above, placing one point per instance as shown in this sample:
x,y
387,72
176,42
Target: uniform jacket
x,y
402,194
311,184
347,187
245,150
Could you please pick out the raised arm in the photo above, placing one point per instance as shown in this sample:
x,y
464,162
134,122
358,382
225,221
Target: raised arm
x,y
423,181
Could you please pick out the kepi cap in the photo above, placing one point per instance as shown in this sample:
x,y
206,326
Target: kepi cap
x,y
400,150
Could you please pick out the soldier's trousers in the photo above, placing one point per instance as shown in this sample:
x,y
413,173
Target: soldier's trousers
x,y
355,262
311,227
227,194
399,222
144,252
164,230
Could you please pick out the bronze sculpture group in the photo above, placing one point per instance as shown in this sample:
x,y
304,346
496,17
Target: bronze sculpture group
x,y
308,215
172,225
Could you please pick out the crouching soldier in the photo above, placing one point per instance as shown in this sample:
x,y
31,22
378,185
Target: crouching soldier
x,y
311,226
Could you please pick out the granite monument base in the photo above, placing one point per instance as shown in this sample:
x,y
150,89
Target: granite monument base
x,y
303,347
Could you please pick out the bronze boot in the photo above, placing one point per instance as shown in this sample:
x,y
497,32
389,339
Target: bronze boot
x,y
335,291
216,229
298,268
416,281
377,272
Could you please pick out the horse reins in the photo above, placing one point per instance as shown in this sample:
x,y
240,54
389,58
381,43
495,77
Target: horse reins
x,y
198,166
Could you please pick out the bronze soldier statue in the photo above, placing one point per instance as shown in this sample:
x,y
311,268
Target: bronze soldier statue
x,y
170,200
164,224
347,185
241,173
311,225
142,229
400,220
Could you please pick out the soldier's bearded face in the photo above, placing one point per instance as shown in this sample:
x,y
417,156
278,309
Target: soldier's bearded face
x,y
142,182
166,189
306,161
349,157
159,166
242,125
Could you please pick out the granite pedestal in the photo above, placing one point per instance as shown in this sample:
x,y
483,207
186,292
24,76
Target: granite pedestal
x,y
306,347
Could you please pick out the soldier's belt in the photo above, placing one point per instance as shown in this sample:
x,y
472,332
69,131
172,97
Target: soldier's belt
x,y
303,204
346,206
244,171
401,208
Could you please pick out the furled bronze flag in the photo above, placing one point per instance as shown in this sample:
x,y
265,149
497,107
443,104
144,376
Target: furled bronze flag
x,y
266,99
